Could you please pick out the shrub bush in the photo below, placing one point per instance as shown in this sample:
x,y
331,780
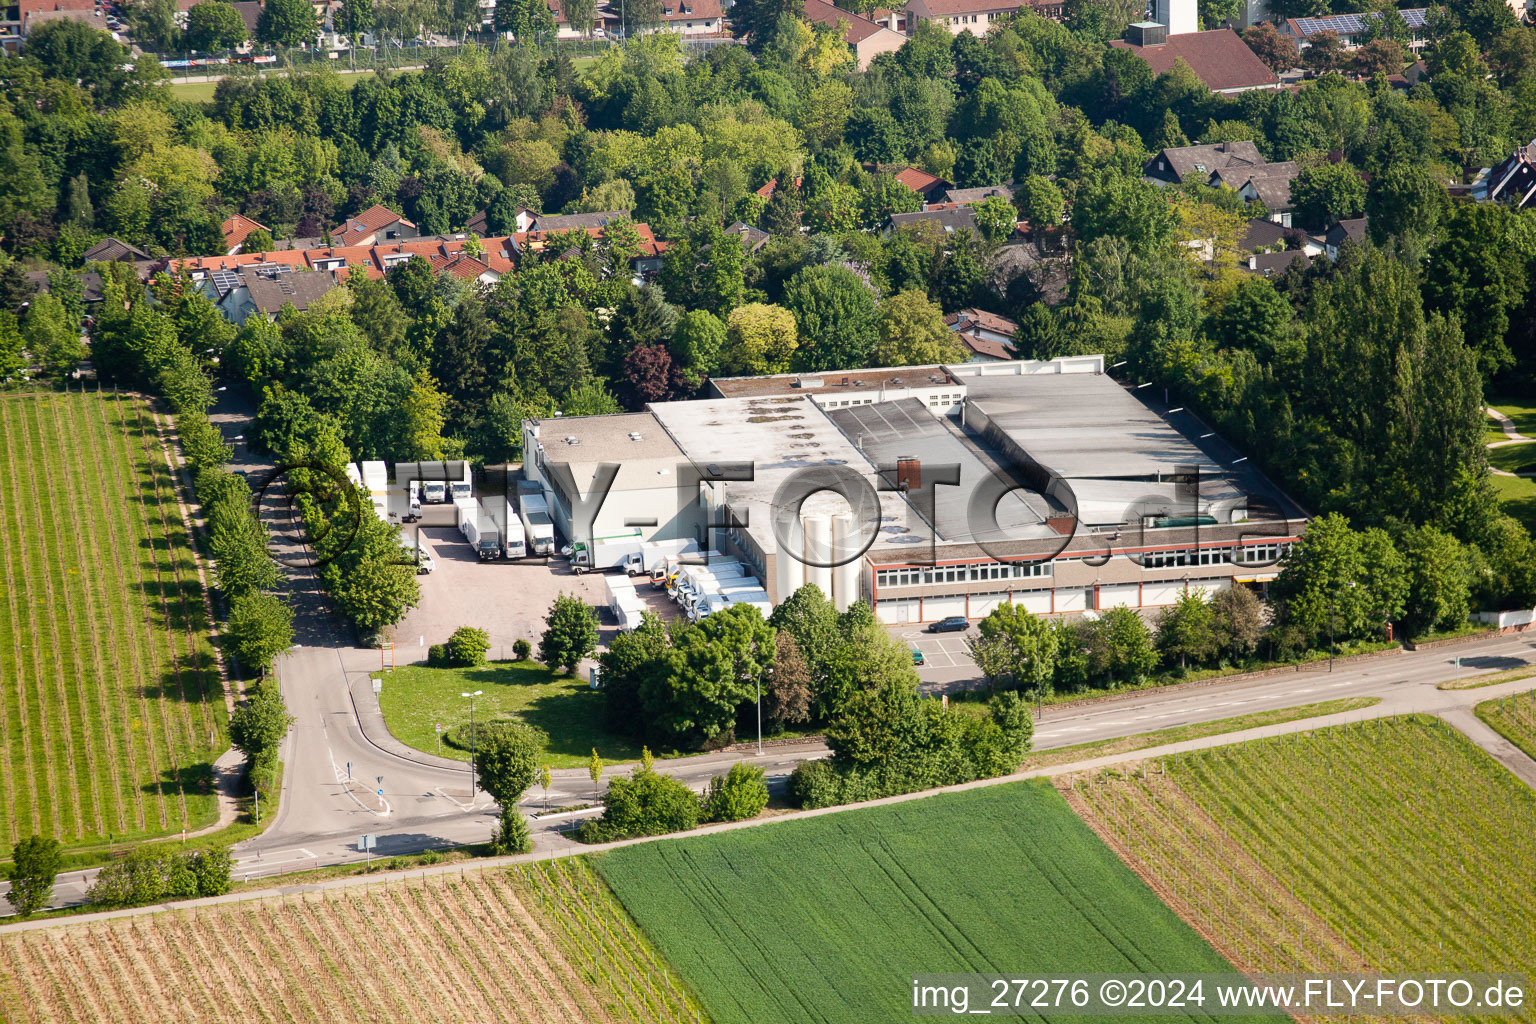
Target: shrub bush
x,y
467,647
738,795
512,835
437,656
149,875
644,804
521,649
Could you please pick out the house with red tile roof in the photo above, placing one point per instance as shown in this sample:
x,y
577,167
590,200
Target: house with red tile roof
x,y
376,225
1219,58
976,16
929,186
234,231
866,38
987,336
773,183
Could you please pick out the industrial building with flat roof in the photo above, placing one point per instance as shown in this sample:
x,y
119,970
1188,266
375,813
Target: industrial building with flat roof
x,y
933,491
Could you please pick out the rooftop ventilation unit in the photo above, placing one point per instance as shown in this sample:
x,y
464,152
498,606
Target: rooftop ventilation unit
x,y
572,440
634,435
808,382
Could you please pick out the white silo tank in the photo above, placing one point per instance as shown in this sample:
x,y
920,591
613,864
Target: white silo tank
x,y
788,570
845,578
818,549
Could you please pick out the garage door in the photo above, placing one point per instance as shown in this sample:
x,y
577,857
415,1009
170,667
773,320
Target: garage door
x,y
935,608
982,604
1036,602
897,611
1071,600
1120,594
1156,594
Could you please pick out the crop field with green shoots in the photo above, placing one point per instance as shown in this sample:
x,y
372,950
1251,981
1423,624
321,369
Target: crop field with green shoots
x,y
111,706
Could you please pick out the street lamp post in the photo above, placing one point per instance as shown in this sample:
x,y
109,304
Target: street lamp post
x,y
758,682
472,738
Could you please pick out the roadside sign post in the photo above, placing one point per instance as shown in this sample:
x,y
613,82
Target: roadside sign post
x,y
378,684
366,844
438,728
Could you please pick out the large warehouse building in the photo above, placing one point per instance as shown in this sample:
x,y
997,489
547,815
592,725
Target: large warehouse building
x,y
933,491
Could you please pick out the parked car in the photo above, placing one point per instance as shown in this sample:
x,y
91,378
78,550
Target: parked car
x,y
917,657
953,624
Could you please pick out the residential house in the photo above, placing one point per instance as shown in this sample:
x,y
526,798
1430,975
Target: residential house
x,y
967,196
14,17
752,238
1343,233
865,37
478,226
1352,29
685,17
987,336
767,190
563,27
929,186
976,16
947,219
95,19
1274,264
1171,166
264,289
1219,57
1513,181
376,225
1269,184
235,229
571,221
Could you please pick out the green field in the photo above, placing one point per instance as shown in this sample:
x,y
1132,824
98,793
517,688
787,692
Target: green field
x,y
827,918
1514,458
1517,496
1521,410
111,706
416,698
1514,718
1390,845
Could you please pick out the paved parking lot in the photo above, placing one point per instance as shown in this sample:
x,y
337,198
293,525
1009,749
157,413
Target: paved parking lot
x,y
947,665
507,599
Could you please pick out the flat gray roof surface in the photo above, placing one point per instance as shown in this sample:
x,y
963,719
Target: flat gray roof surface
x,y
1085,425
888,431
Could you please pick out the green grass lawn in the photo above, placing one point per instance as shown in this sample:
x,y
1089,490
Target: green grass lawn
x,y
202,92
1514,458
828,918
1521,410
1518,496
111,705
416,698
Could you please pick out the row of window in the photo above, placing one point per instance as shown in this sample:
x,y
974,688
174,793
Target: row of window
x,y
1252,554
913,576
967,19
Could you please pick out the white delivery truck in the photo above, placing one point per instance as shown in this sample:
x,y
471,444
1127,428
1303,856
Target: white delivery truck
x,y
413,501
600,554
664,575
507,525
418,554
630,613
617,590
464,510
714,588
483,536
434,492
461,489
691,579
538,527
719,601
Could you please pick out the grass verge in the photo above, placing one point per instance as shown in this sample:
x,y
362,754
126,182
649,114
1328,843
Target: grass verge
x,y
1514,718
1478,682
1198,730
415,699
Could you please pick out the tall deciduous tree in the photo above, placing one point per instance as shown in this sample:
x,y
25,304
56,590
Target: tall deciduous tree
x,y
913,332
214,25
288,23
570,633
260,628
834,313
35,864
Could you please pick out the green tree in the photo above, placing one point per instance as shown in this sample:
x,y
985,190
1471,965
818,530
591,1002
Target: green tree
x,y
738,795
214,25
719,664
1039,201
35,864
1338,581
760,339
595,769
696,346
570,633
259,725
287,23
834,314
511,835
260,628
1327,193
913,333
507,759
1031,643
808,616
995,217
1128,208
1405,200
787,692
12,347
1439,588
1186,630
1129,650
153,24
1239,621
51,336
